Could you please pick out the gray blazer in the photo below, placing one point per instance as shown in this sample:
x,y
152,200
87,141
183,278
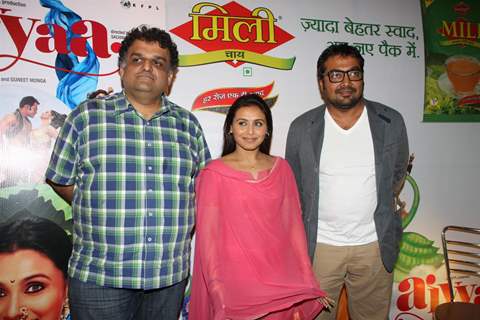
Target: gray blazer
x,y
390,144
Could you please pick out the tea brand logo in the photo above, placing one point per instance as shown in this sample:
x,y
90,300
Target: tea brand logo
x,y
233,34
220,99
460,32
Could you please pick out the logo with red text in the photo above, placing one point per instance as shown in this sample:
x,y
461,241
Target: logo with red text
x,y
233,34
220,99
420,273
461,32
83,38
419,296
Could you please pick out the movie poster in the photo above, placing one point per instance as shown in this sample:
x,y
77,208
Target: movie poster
x,y
52,55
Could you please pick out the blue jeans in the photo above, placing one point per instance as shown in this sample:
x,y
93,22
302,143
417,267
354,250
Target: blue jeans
x,y
89,301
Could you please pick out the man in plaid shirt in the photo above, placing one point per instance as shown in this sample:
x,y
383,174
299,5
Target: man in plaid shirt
x,y
127,164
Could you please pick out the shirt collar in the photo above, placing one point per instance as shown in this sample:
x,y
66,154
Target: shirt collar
x,y
122,105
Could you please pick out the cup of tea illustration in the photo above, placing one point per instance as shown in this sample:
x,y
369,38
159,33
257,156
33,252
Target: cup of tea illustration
x,y
463,73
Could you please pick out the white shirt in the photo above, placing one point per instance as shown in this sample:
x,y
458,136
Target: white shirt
x,y
348,193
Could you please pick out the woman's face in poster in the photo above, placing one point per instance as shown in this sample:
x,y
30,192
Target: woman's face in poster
x,y
30,283
46,116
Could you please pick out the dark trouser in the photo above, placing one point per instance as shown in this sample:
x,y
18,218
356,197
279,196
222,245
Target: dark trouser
x,y
89,302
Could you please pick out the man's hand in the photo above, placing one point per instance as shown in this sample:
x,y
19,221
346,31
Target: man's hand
x,y
65,192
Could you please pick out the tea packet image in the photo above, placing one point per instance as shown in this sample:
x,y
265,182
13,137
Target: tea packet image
x,y
452,61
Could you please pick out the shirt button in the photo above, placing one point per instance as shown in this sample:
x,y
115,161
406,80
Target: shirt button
x,y
148,123
150,190
150,213
149,144
149,168
149,239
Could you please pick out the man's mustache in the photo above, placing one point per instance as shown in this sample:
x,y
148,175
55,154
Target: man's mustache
x,y
346,89
145,74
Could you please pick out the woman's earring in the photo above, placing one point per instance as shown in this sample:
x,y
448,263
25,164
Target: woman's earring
x,y
65,310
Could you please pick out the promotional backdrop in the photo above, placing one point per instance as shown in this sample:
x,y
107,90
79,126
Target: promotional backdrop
x,y
58,52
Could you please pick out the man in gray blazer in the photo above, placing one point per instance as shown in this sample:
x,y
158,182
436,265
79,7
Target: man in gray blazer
x,y
350,157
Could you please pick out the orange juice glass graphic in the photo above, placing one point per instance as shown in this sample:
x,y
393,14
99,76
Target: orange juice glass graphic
x,y
463,73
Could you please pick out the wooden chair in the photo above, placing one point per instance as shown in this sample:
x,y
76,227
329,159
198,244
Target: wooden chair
x,y
461,250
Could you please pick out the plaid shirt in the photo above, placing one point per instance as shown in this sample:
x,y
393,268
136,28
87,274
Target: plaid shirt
x,y
133,203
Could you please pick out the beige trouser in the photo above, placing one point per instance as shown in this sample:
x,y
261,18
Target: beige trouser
x,y
360,268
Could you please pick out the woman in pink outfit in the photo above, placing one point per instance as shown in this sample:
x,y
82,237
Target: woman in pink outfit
x,y
251,257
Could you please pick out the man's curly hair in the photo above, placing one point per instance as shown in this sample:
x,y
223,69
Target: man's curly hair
x,y
147,34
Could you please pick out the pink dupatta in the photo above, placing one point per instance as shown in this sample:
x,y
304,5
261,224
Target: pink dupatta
x,y
250,250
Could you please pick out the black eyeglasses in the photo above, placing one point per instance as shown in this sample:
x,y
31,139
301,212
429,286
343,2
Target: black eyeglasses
x,y
336,76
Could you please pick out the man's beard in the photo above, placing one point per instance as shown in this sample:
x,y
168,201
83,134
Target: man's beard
x,y
347,105
342,103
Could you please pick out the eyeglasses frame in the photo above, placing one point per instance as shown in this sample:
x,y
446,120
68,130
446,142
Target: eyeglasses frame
x,y
347,72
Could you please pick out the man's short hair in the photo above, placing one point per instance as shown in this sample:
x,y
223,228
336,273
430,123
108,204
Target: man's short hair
x,y
147,34
28,100
341,49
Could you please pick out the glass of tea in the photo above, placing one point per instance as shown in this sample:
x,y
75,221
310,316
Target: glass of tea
x,y
463,73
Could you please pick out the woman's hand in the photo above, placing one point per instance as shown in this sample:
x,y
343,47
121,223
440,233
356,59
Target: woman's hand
x,y
327,302
296,316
